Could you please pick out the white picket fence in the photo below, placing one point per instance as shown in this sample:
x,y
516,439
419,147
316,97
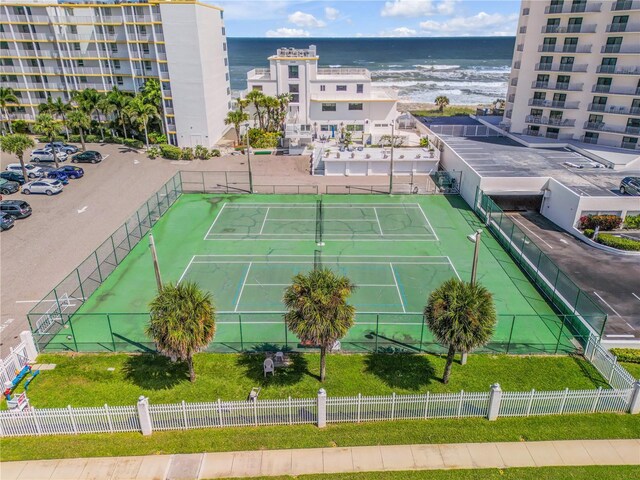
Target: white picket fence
x,y
13,362
607,364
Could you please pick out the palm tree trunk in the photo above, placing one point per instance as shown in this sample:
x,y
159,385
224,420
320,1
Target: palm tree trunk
x,y
101,126
124,125
237,127
24,169
6,112
84,148
447,368
323,366
55,154
66,129
192,372
146,136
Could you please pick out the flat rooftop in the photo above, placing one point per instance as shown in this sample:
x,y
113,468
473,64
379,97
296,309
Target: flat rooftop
x,y
502,157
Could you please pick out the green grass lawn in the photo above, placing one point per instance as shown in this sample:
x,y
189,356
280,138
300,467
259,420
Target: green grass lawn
x,y
598,426
632,368
119,379
625,472
448,112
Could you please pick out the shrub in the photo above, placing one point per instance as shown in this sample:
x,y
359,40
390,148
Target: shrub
x,y
202,153
187,153
154,152
170,152
620,243
57,138
92,139
630,355
132,143
74,138
20,126
588,232
157,138
118,140
632,221
215,152
605,222
260,139
424,142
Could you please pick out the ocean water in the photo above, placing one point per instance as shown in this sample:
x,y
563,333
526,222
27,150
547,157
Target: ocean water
x,y
468,70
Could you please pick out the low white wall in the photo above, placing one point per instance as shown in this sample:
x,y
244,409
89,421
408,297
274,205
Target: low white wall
x,y
377,167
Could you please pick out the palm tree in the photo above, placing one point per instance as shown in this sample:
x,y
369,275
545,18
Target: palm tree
x,y
441,102
17,143
7,96
256,98
460,315
317,309
142,113
80,120
49,127
120,100
235,118
152,94
57,107
104,107
182,322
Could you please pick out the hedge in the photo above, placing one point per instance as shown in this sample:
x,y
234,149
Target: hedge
x,y
170,152
632,221
620,243
630,355
605,222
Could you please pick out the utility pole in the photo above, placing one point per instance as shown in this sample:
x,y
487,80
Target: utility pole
x,y
249,161
476,239
156,267
393,126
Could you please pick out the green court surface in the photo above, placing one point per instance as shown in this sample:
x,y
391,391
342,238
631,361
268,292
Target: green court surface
x,y
245,249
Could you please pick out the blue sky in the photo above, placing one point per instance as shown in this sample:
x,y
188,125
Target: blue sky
x,y
369,18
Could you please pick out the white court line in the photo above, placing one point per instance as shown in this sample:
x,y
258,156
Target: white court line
x,y
429,223
242,235
268,239
610,307
635,295
324,220
265,220
52,300
313,205
620,336
341,263
513,217
327,256
243,284
214,221
288,285
397,286
186,269
375,210
454,268
244,322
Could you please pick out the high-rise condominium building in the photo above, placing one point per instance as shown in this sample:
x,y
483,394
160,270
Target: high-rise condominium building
x,y
50,49
576,72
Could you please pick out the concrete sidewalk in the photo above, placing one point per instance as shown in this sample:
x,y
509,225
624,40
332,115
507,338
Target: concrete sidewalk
x,y
330,460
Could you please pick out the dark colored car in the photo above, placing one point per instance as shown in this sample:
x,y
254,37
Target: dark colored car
x,y
13,177
90,156
15,208
630,186
71,171
6,221
7,186
58,175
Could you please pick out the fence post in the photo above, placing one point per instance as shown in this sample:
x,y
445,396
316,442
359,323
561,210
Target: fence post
x,y
564,400
290,412
73,420
634,404
29,345
393,405
613,369
530,403
184,414
359,406
322,408
35,421
80,285
495,397
220,412
255,411
106,409
144,416
596,400
426,406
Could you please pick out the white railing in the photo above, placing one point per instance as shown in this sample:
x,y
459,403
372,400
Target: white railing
x,y
607,364
16,359
344,71
464,130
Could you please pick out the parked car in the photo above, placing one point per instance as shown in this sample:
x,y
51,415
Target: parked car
x,y
13,177
90,156
46,155
57,175
8,187
45,185
32,170
63,147
15,208
630,185
6,221
72,171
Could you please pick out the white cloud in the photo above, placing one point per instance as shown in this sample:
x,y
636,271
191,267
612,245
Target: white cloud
x,y
254,9
302,19
407,8
331,13
447,7
482,24
287,32
398,32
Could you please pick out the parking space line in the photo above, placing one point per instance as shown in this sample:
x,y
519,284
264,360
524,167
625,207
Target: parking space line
x,y
513,217
605,302
635,295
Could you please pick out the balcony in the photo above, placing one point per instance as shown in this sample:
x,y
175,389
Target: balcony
x,y
35,85
568,87
40,37
13,18
615,70
30,70
565,48
625,5
259,74
623,28
629,145
516,65
591,28
357,72
537,102
168,111
620,49
603,127
141,18
555,122
584,8
613,109
616,90
514,82
553,135
86,20
561,67
589,140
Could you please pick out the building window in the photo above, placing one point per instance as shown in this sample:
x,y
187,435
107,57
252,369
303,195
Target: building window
x,y
328,107
119,81
341,88
226,61
257,87
359,88
356,106
355,128
293,71
76,46
294,90
322,87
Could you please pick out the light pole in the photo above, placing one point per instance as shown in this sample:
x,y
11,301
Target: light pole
x,y
156,267
249,161
475,238
393,126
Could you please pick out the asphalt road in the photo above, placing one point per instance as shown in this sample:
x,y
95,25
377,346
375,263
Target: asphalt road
x,y
611,280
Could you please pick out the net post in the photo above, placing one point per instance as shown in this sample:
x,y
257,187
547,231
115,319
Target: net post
x,y
513,323
73,335
377,330
126,231
80,285
240,326
559,335
422,331
286,335
113,341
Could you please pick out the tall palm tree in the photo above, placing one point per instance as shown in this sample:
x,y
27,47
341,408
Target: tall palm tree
x,y
104,107
49,127
317,309
120,100
142,113
282,109
80,120
462,316
152,94
17,143
7,96
182,322
256,98
235,118
442,101
57,107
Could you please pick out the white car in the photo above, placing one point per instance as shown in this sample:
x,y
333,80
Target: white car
x,y
45,185
46,155
32,170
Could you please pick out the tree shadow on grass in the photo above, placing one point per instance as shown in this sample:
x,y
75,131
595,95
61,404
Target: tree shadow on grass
x,y
409,372
290,374
589,371
155,372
